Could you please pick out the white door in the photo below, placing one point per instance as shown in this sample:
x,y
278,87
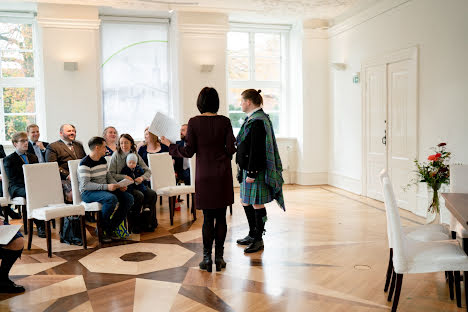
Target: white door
x,y
376,111
390,124
402,129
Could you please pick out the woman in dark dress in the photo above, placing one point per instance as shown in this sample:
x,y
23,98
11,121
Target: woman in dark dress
x,y
260,174
210,136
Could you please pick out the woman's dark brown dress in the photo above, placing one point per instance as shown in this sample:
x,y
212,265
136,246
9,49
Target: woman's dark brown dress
x,y
212,140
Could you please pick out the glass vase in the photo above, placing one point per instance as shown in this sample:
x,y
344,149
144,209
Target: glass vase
x,y
433,198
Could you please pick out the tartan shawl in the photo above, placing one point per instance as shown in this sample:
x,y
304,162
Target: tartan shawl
x,y
274,168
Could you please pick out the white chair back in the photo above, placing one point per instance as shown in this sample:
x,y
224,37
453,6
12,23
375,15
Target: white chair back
x,y
395,232
43,185
73,169
5,181
108,159
193,169
162,169
459,178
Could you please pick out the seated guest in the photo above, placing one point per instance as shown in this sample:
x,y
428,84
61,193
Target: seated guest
x,y
151,145
111,136
142,199
61,152
182,165
9,253
98,185
9,211
35,146
13,164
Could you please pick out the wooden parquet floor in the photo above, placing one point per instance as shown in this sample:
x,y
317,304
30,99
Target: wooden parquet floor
x,y
327,252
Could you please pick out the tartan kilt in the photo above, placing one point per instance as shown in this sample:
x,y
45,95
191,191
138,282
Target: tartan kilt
x,y
255,193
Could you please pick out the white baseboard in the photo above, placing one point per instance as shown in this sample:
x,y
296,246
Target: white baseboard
x,y
309,178
346,183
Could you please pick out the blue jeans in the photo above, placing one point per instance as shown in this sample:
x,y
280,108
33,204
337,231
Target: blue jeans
x,y
109,200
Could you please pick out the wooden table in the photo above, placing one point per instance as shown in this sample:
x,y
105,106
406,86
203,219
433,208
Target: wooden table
x,y
457,204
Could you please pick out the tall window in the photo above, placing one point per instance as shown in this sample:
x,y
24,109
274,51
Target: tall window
x,y
257,60
135,82
18,76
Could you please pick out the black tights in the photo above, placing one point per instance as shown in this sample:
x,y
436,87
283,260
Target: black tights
x,y
210,230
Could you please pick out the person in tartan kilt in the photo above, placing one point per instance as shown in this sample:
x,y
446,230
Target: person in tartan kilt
x,y
260,169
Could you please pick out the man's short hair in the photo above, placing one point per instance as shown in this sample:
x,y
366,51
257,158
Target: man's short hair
x,y
17,136
95,141
61,127
29,127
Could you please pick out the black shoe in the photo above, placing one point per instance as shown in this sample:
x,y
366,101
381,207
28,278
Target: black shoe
x,y
106,239
219,261
41,232
11,287
254,247
13,214
246,240
206,263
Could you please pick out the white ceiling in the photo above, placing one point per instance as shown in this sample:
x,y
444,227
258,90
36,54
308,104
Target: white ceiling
x,y
271,9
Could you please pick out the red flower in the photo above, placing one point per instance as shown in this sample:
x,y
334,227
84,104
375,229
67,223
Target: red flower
x,y
434,157
441,144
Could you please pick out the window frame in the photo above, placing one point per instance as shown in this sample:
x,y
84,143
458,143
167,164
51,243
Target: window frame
x,y
23,82
138,20
282,84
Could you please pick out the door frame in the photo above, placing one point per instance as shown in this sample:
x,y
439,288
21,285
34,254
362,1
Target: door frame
x,y
410,53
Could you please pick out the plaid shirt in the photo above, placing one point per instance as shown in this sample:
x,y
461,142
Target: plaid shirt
x,y
274,168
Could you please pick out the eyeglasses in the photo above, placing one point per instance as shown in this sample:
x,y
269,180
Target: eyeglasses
x,y
22,141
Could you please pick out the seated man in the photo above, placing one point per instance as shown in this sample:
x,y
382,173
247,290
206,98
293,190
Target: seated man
x,y
35,146
98,185
14,169
62,151
9,254
182,165
9,211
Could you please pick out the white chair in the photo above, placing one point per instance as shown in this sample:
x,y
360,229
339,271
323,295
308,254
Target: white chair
x,y
89,207
413,256
17,201
163,181
458,184
45,199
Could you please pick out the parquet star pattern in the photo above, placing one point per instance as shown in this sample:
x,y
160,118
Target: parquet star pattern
x,y
327,252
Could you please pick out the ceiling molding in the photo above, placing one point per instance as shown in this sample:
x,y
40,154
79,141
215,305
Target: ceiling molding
x,y
203,29
69,23
362,17
315,33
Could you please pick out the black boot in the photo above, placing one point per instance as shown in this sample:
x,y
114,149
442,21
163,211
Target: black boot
x,y
206,263
219,261
250,214
260,219
8,259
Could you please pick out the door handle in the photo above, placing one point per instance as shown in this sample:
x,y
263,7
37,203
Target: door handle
x,y
384,140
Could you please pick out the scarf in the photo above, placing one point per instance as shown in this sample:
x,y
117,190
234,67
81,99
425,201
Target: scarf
x,y
274,168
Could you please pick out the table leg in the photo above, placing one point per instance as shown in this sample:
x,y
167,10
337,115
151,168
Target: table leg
x,y
465,273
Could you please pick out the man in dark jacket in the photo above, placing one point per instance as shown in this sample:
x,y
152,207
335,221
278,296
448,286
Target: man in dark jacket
x,y
61,152
13,164
35,146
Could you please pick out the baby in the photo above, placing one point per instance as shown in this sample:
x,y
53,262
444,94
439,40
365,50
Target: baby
x,y
134,171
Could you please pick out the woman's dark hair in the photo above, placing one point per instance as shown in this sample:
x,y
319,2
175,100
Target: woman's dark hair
x,y
132,143
208,101
253,95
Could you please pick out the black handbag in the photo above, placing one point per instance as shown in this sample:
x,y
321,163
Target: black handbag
x,y
71,233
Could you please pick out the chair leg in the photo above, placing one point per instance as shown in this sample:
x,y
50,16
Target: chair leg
x,y
188,201
399,281
392,286
99,228
53,223
389,270
465,277
194,210
83,232
230,209
172,208
450,282
25,219
48,238
5,212
160,200
30,234
457,288
61,225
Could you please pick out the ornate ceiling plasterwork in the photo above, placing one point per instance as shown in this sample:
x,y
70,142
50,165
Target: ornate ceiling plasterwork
x,y
312,8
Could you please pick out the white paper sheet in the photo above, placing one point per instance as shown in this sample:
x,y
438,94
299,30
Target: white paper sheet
x,y
7,232
125,182
163,125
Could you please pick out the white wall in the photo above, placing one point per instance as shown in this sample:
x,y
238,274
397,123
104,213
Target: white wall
x,y
440,30
70,33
